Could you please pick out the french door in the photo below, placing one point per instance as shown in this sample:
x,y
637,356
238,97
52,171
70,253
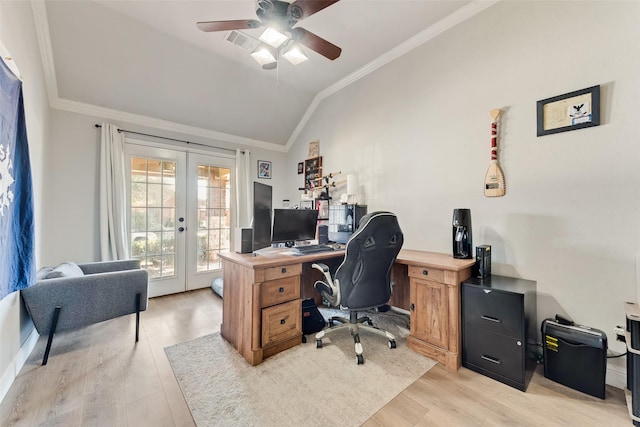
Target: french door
x,y
180,207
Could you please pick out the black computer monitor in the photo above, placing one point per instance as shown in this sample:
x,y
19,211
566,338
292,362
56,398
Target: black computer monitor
x,y
291,225
262,194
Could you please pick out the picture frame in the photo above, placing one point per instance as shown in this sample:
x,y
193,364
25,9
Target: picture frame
x,y
300,168
264,169
571,111
322,206
314,148
313,173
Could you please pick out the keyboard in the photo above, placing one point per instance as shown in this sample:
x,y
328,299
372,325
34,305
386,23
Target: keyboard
x,y
311,249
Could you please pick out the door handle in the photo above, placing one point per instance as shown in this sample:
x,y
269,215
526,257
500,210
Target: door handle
x,y
181,229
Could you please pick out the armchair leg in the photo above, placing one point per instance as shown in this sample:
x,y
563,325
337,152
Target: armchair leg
x,y
137,316
54,324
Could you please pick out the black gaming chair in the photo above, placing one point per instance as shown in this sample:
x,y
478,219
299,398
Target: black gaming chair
x,y
363,280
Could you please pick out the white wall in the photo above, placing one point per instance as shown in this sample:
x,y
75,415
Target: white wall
x,y
17,33
417,132
71,231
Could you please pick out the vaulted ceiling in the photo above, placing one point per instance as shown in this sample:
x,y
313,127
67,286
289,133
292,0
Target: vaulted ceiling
x,y
146,62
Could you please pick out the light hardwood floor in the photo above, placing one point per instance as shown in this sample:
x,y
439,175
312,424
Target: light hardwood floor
x,y
97,376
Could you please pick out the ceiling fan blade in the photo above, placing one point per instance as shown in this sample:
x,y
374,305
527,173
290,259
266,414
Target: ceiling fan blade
x,y
240,24
316,43
301,9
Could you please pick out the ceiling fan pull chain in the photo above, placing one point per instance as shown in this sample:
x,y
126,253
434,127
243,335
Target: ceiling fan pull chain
x,y
278,68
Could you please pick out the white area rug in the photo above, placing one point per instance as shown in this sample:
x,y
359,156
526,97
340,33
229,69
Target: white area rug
x,y
300,386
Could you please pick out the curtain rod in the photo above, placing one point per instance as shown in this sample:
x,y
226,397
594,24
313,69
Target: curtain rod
x,y
173,139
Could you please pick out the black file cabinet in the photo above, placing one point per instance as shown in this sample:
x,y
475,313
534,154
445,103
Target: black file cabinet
x,y
498,320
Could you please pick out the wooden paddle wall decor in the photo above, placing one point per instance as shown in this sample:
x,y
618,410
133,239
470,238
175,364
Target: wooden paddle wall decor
x,y
494,179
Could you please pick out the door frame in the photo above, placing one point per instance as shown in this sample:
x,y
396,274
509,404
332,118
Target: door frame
x,y
188,210
195,279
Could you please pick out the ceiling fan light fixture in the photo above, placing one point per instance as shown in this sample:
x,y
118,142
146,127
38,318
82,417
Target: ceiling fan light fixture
x,y
294,54
273,37
263,55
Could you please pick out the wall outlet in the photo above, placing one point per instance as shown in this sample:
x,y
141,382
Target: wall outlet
x,y
619,331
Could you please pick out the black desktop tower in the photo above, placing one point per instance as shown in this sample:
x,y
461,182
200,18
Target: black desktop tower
x,y
575,356
243,240
344,220
323,234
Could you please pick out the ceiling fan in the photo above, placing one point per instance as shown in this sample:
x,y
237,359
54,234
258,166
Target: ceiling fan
x,y
282,16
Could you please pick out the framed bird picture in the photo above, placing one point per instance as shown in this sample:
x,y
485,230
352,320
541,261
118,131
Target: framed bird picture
x,y
571,111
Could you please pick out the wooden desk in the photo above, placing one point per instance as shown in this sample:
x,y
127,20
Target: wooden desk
x,y
262,304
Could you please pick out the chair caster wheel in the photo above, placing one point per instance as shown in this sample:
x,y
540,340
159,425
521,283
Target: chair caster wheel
x,y
392,344
304,339
359,359
318,343
370,322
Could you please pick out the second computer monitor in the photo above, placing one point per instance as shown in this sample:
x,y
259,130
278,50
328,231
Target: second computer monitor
x,y
291,225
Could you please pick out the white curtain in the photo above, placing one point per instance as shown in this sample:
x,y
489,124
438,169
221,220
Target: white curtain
x,y
243,188
113,195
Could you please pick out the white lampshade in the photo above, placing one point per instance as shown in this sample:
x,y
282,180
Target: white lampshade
x,y
352,184
273,37
263,56
294,54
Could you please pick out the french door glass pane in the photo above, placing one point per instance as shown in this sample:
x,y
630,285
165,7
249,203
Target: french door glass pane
x,y
153,215
214,222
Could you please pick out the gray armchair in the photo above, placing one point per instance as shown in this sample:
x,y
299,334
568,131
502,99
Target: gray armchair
x,y
72,296
363,280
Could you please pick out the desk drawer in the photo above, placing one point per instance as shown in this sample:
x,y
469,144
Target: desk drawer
x,y
277,291
495,353
281,322
427,273
494,310
273,273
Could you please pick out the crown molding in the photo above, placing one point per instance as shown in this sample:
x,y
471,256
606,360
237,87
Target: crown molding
x,y
419,39
125,117
46,53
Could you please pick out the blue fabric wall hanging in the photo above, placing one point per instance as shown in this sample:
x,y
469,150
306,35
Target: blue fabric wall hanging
x,y
17,259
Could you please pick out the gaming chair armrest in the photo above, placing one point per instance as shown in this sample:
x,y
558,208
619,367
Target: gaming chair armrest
x,y
327,288
325,271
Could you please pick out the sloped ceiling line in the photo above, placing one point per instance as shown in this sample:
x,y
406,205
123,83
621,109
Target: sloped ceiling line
x,y
433,31
46,52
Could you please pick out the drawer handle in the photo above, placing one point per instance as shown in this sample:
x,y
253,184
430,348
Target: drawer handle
x,y
281,290
425,272
491,319
282,321
284,270
491,359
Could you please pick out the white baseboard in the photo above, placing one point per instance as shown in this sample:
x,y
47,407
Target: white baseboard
x,y
17,363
